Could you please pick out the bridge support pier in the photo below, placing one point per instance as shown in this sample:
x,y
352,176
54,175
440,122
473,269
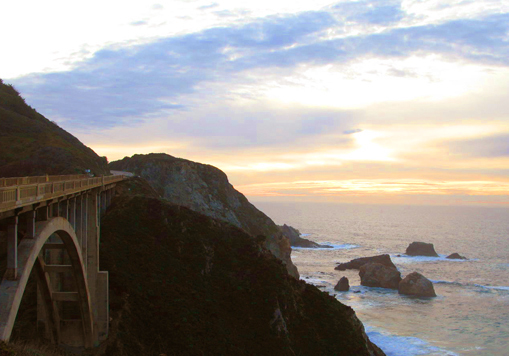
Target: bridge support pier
x,y
11,273
30,216
102,305
71,208
79,218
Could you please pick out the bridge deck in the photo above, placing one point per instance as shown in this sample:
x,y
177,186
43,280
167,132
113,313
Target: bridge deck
x,y
19,192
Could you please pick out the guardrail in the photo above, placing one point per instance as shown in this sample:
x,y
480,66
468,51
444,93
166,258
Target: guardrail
x,y
53,186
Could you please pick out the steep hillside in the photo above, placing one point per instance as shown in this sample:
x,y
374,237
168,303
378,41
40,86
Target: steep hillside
x,y
182,283
205,189
33,145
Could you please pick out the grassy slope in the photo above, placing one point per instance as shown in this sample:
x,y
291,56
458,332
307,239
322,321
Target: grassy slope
x,y
33,145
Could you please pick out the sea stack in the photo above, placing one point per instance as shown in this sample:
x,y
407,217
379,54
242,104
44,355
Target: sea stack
x,y
417,285
456,256
343,285
421,249
359,262
378,275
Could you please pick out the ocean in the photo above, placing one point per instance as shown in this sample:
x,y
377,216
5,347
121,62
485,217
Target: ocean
x,y
469,316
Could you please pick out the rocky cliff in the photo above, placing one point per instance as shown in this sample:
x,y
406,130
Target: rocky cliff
x,y
182,283
33,145
205,189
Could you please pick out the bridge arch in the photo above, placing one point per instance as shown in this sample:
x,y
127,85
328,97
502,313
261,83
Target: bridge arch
x,y
29,250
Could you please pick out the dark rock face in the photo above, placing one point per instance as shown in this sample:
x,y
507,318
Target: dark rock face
x,y
421,249
33,145
205,189
456,256
187,284
359,262
416,284
378,275
295,240
343,285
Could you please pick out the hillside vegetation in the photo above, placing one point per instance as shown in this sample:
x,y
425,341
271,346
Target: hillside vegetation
x,y
33,145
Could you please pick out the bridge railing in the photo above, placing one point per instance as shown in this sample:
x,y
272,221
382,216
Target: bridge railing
x,y
51,186
8,182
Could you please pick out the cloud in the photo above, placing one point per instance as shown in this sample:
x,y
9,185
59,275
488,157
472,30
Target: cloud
x,y
371,12
222,128
350,132
139,23
360,187
480,40
494,146
209,6
121,86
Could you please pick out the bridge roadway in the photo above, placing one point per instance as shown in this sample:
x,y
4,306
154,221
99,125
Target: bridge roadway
x,y
51,225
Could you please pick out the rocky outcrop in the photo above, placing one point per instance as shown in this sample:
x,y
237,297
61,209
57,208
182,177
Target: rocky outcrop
x,y
359,262
378,275
417,285
295,240
343,285
456,256
187,284
205,189
421,249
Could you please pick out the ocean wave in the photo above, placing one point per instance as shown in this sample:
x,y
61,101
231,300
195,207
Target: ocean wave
x,y
402,258
503,288
315,281
471,285
334,247
395,345
447,282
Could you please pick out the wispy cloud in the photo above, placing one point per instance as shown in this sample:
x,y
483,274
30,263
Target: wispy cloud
x,y
124,84
376,187
405,90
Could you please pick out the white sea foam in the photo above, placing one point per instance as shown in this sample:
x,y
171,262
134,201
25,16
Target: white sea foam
x,y
315,281
504,288
501,288
394,345
438,281
334,247
418,259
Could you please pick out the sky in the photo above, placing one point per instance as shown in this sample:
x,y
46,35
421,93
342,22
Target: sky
x,y
390,102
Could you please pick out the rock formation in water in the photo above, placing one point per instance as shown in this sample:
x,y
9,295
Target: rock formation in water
x,y
421,249
359,262
295,240
378,275
205,189
456,256
417,285
343,285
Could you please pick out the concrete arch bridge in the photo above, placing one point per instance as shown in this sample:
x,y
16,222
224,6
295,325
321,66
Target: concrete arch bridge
x,y
50,226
